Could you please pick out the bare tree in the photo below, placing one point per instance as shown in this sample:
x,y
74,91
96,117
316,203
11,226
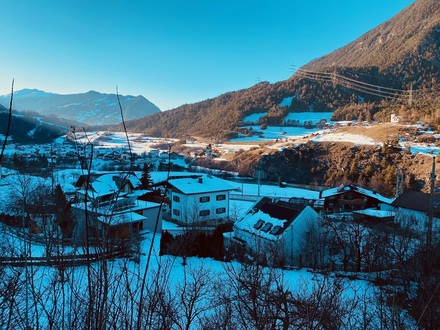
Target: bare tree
x,y
5,141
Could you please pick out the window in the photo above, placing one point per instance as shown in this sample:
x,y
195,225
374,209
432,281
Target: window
x,y
204,213
220,197
259,224
204,199
276,230
176,212
266,227
176,198
220,210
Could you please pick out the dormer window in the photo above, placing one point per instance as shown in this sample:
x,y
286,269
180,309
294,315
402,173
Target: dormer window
x,y
276,230
266,227
259,224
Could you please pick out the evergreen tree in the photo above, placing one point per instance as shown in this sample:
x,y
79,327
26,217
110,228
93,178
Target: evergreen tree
x,y
166,242
63,212
217,244
146,177
17,161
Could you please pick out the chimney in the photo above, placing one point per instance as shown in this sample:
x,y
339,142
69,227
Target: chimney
x,y
200,179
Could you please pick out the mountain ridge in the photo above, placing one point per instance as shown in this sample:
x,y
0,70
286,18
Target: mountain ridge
x,y
407,28
90,108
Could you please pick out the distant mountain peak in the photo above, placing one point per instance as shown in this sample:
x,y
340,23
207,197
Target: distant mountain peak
x,y
90,108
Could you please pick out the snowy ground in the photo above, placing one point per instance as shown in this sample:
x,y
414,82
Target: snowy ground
x,y
295,279
301,281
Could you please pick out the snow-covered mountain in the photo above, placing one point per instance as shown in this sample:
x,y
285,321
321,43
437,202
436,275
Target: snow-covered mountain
x,y
91,108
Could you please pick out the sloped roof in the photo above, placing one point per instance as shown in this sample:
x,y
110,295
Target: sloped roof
x,y
346,188
201,184
107,183
269,220
418,201
122,218
375,213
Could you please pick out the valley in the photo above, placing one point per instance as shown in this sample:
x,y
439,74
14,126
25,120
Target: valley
x,y
306,203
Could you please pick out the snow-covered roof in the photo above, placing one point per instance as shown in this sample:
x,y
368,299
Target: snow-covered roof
x,y
263,221
202,184
131,204
161,176
105,184
376,213
346,188
269,220
122,218
139,192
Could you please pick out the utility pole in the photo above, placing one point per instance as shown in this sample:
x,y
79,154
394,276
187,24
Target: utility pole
x,y
410,97
26,238
427,263
431,208
259,177
402,183
399,183
292,68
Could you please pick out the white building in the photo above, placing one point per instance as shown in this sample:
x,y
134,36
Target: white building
x,y
275,231
200,199
395,118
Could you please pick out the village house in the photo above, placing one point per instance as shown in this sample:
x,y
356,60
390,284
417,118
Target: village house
x,y
412,209
275,230
201,199
395,118
108,203
349,198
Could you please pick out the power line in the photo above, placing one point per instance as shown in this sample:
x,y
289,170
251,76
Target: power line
x,y
369,75
357,85
344,78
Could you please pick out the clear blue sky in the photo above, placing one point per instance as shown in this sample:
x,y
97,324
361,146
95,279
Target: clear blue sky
x,y
173,52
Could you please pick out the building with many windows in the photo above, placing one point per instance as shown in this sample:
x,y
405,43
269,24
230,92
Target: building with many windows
x,y
198,200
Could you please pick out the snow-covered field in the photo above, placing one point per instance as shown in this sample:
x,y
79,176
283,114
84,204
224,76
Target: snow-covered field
x,y
284,134
53,300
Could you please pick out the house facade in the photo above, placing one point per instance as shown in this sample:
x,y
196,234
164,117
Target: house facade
x,y
198,200
349,198
276,231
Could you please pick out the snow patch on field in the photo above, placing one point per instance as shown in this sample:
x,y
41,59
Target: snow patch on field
x,y
346,137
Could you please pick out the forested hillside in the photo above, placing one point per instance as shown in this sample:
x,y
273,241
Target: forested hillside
x,y
392,68
32,128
